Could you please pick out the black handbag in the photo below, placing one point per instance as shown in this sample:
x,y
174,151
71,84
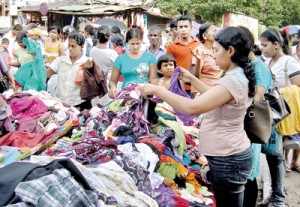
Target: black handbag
x,y
4,82
258,122
279,107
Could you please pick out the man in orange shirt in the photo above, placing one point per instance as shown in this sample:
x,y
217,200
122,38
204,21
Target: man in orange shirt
x,y
180,49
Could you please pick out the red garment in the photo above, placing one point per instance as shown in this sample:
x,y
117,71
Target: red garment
x,y
164,158
189,140
160,147
24,139
181,202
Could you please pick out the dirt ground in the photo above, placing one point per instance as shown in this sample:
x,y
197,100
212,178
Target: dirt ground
x,y
292,185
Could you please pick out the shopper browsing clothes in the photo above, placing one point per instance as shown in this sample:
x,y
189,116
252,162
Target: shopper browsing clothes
x,y
222,136
136,66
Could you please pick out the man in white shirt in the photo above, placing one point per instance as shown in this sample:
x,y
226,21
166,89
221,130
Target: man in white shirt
x,y
67,68
11,35
88,34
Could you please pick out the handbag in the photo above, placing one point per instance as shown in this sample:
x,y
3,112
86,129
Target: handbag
x,y
4,82
258,122
279,107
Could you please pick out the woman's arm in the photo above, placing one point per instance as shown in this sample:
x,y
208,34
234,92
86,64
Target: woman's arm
x,y
215,98
153,74
11,80
295,80
114,78
62,49
49,71
260,91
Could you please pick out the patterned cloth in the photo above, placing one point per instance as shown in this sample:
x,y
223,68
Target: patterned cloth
x,y
57,189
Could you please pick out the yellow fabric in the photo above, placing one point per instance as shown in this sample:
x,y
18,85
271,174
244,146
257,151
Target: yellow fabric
x,y
51,52
182,170
190,178
291,124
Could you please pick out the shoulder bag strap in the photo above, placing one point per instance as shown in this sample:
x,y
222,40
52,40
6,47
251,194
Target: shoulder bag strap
x,y
286,73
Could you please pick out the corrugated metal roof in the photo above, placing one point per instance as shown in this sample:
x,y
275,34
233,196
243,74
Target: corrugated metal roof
x,y
72,8
53,5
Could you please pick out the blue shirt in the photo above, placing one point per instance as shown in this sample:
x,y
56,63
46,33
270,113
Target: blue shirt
x,y
264,79
135,70
262,73
161,51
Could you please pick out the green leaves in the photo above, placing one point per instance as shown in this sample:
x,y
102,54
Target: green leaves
x,y
276,13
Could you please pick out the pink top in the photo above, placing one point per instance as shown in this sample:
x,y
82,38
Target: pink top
x,y
222,130
210,72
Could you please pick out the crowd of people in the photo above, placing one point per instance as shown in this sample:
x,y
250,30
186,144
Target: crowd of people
x,y
222,70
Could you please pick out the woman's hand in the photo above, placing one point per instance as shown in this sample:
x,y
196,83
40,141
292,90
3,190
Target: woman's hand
x,y
112,93
197,53
185,75
88,64
148,90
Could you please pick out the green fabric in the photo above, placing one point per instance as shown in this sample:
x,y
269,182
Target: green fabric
x,y
165,116
114,106
32,75
176,126
168,170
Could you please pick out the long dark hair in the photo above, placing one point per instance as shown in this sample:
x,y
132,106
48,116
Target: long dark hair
x,y
103,34
202,30
253,47
236,38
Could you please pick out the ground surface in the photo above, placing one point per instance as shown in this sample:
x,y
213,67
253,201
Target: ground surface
x,y
292,185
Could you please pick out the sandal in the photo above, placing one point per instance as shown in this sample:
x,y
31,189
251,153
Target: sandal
x,y
297,169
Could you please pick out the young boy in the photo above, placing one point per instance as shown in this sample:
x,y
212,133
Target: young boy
x,y
4,50
166,65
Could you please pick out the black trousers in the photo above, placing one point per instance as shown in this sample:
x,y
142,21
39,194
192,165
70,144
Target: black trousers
x,y
250,193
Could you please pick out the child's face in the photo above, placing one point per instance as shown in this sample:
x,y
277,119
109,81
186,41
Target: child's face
x,y
5,45
34,37
167,69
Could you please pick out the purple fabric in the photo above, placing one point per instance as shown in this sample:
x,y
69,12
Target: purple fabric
x,y
165,196
175,87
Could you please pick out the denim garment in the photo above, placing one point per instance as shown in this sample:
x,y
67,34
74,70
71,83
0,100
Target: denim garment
x,y
228,176
277,171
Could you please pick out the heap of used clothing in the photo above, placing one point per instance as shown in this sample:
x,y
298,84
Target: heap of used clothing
x,y
132,152
29,120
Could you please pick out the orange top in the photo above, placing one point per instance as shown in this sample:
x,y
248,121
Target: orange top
x,y
182,53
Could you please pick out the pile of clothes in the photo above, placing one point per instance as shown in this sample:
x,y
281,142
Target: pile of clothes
x,y
131,152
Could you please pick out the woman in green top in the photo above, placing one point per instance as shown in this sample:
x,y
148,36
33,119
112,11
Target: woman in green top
x,y
23,56
136,66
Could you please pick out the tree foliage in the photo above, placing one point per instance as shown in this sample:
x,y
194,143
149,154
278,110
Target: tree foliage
x,y
276,13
